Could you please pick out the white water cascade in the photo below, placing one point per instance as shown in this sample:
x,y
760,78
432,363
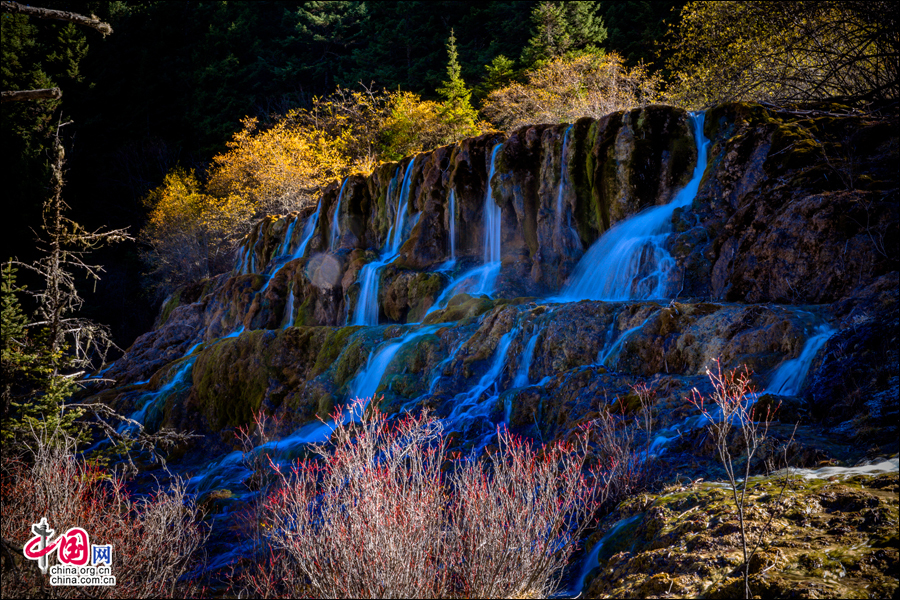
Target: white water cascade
x,y
335,219
630,261
153,401
788,379
563,181
451,218
481,279
521,379
366,312
591,561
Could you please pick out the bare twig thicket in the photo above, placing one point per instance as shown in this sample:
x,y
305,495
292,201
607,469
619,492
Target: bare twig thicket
x,y
731,407
617,443
155,539
386,511
65,244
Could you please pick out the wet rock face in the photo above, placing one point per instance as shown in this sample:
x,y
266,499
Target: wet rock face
x,y
792,210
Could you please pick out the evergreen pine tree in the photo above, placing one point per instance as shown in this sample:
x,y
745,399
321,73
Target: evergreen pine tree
x,y
561,28
458,113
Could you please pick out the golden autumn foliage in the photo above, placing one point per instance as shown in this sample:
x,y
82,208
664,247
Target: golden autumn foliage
x,y
284,166
281,167
191,234
565,89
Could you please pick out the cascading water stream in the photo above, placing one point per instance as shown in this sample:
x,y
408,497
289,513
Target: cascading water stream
x,y
481,279
288,318
591,561
285,248
366,312
521,378
563,181
630,261
153,400
788,379
335,219
308,230
451,218
614,349
470,405
231,470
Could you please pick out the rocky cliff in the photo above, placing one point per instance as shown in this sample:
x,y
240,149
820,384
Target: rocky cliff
x,y
533,278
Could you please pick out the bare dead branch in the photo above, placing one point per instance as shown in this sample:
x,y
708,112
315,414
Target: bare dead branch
x,y
58,15
29,95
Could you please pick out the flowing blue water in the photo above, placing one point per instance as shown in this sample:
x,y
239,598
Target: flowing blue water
x,y
630,261
521,379
288,318
366,312
336,218
590,561
154,401
563,180
482,278
788,379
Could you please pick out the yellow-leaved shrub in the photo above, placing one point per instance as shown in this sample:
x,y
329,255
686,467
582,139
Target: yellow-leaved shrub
x,y
191,234
565,89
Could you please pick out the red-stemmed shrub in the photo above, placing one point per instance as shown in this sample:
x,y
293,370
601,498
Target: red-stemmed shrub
x,y
384,511
154,539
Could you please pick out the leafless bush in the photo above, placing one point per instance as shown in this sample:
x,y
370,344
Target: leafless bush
x,y
384,512
730,407
154,539
617,444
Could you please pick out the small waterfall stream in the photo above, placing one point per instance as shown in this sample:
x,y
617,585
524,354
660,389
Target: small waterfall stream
x,y
481,279
788,379
630,261
367,308
335,234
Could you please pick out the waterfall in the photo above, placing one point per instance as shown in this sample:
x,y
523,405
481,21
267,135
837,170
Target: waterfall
x,y
788,379
614,349
288,317
451,218
402,209
241,259
335,225
563,181
481,279
308,229
591,561
630,261
366,312
492,231
366,383
285,247
468,405
452,225
521,379
153,401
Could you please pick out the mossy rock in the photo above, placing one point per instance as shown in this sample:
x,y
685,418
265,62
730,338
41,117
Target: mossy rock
x,y
460,308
